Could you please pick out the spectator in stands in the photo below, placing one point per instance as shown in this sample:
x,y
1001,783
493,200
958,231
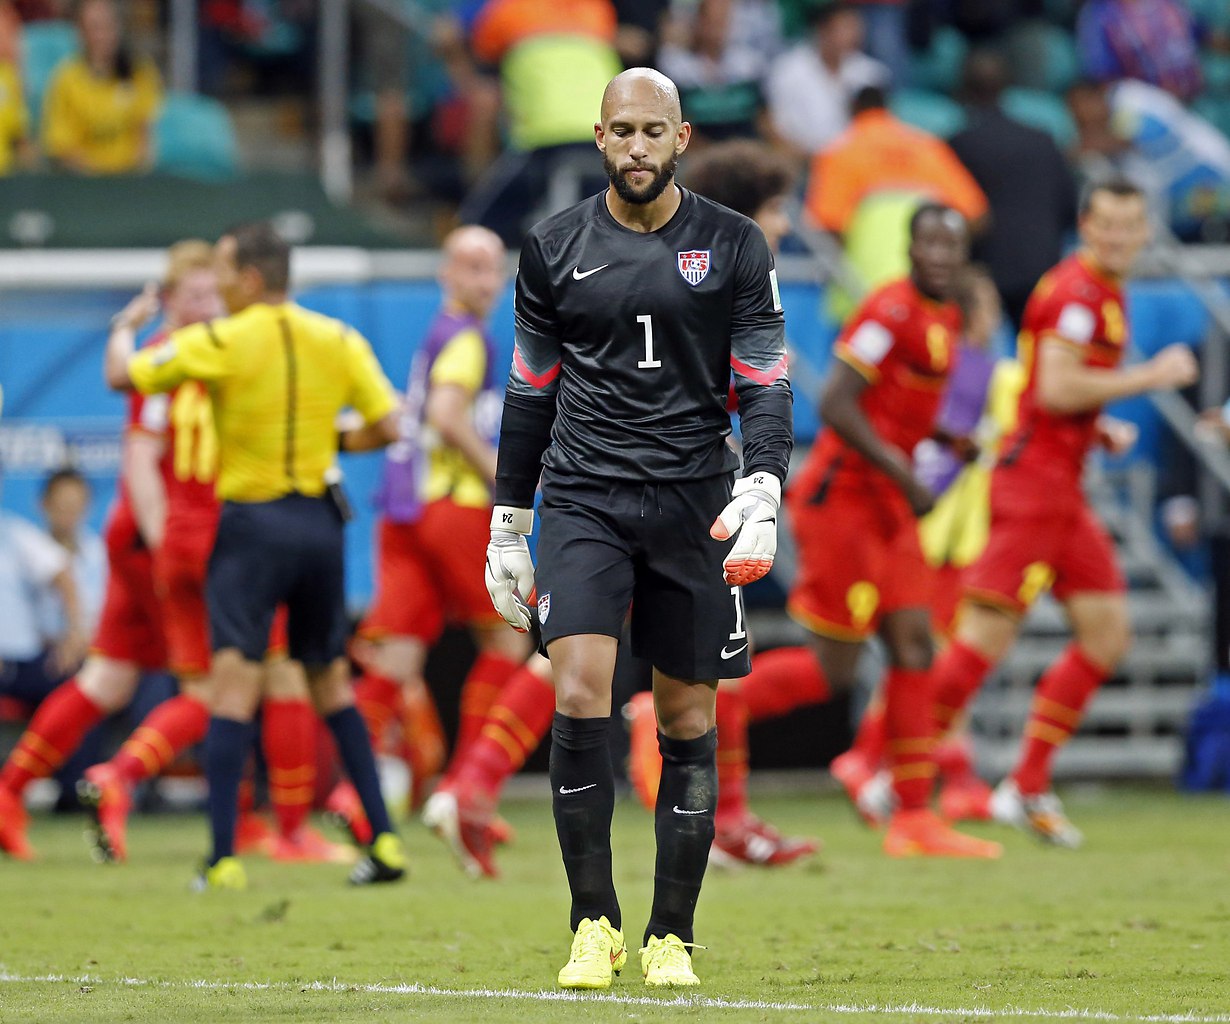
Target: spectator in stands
x,y
15,146
885,23
1028,184
639,24
31,565
865,187
1181,160
65,504
717,52
810,88
385,47
555,58
100,105
1154,41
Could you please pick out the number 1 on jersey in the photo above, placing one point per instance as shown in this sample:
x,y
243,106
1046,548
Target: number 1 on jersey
x,y
649,362
740,632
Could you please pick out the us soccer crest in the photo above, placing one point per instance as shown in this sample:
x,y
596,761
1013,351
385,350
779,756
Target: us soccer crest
x,y
544,608
694,266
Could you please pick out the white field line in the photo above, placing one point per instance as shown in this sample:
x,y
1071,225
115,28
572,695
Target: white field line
x,y
685,1001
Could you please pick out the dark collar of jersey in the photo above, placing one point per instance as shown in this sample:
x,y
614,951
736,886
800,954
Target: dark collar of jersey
x,y
678,218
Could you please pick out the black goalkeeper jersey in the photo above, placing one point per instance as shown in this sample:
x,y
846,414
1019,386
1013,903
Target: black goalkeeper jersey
x,y
631,339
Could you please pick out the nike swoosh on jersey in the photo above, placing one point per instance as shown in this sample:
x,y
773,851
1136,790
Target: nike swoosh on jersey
x,y
679,810
579,789
579,275
726,655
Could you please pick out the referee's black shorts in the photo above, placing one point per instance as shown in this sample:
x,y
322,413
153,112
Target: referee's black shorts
x,y
607,544
288,551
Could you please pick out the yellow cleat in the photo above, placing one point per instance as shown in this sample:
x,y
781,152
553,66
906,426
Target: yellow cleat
x,y
666,963
598,951
384,862
227,873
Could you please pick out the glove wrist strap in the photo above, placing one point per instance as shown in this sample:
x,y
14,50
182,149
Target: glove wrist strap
x,y
513,520
759,481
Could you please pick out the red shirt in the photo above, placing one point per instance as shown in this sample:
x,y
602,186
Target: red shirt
x,y
190,464
120,532
903,344
1075,305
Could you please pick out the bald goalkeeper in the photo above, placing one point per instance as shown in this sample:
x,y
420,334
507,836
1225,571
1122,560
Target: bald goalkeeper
x,y
278,377
632,309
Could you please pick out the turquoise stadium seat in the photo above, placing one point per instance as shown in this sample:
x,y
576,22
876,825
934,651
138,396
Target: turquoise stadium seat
x,y
1043,57
1214,13
1041,110
929,111
1215,110
939,66
43,45
1216,68
194,138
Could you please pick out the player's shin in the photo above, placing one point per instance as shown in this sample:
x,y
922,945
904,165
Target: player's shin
x,y
57,729
583,801
226,753
684,828
910,735
732,755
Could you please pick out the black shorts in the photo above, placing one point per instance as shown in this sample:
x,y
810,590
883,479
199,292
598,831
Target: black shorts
x,y
288,551
608,544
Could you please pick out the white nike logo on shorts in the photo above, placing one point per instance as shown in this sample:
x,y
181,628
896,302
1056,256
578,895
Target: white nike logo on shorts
x,y
679,810
726,655
580,275
579,789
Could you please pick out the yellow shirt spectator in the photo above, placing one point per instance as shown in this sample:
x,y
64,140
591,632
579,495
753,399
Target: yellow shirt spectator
x,y
14,123
278,376
100,125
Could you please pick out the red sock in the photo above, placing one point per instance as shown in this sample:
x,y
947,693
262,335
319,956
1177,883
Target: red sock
x,y
871,736
732,756
957,674
168,730
425,746
288,739
379,701
1063,691
909,730
782,680
516,723
487,677
55,731
953,759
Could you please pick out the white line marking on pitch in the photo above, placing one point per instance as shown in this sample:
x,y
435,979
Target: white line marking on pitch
x,y
558,996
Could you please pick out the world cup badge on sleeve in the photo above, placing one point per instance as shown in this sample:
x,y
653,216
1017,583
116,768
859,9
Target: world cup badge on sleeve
x,y
694,266
544,608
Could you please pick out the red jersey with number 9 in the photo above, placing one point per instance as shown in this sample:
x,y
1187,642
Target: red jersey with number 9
x,y
903,343
1077,306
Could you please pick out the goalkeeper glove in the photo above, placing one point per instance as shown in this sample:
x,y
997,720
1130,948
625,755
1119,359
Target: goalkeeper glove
x,y
752,514
510,571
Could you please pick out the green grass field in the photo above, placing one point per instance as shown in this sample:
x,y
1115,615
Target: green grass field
x,y
1133,927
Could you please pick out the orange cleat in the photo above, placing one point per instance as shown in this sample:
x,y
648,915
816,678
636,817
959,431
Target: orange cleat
x,y
253,834
344,808
869,790
109,799
644,758
307,846
13,839
923,833
464,821
967,798
748,840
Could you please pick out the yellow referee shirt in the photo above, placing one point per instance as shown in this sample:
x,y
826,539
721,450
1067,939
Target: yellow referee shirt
x,y
277,376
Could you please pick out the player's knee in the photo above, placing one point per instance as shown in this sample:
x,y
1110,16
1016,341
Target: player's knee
x,y
913,652
330,688
503,641
686,723
108,685
1108,644
581,695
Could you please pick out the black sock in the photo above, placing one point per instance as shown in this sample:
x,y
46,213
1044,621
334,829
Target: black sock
x,y
355,749
583,799
227,745
683,825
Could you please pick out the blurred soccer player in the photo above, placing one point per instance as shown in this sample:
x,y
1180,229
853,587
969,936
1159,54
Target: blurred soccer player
x,y
179,516
855,507
1043,532
278,378
129,639
435,504
632,308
